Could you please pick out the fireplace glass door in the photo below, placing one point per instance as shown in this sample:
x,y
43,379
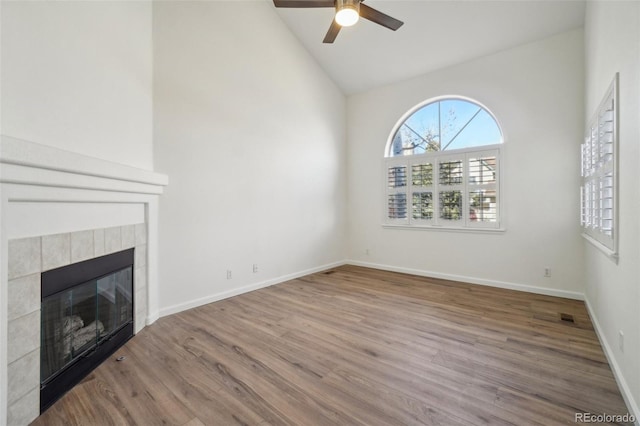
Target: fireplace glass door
x,y
76,320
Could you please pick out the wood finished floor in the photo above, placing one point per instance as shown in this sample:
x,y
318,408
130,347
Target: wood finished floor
x,y
355,346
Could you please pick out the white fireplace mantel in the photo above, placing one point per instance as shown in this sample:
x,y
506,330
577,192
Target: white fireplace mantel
x,y
45,190
30,163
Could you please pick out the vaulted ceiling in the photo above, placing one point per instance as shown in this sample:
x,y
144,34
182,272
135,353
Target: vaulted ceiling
x,y
436,34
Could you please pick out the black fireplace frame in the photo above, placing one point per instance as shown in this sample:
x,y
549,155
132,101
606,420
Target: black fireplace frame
x,y
64,278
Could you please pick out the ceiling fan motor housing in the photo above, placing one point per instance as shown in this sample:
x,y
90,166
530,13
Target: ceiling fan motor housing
x,y
348,4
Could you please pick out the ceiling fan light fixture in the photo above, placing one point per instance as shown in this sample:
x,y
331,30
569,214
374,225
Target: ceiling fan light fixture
x,y
347,12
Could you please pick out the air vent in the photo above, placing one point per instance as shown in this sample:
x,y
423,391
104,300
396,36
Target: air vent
x,y
567,318
329,272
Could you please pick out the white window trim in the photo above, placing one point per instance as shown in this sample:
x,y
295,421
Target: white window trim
x,y
464,225
593,173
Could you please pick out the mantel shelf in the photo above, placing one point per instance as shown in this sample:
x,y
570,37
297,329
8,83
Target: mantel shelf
x,y
29,163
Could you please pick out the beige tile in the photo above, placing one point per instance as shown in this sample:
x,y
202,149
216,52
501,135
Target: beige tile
x,y
128,236
112,239
141,234
139,321
140,301
140,278
140,306
56,251
24,257
24,410
140,256
23,375
23,336
98,242
23,296
82,246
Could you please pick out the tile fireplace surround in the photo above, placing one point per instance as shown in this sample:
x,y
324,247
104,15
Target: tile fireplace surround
x,y
59,208
27,259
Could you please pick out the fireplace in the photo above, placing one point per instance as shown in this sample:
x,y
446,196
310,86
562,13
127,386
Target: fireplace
x,y
60,208
86,315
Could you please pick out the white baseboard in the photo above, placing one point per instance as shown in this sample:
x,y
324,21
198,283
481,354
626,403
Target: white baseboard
x,y
262,284
615,368
471,280
152,317
245,289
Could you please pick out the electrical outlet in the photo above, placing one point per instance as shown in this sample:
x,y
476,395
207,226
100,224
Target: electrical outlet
x,y
547,272
255,268
228,274
621,340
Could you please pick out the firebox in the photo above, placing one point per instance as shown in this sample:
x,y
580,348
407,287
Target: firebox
x,y
87,313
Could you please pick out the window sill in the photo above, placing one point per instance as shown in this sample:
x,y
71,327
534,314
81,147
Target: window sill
x,y
446,229
611,254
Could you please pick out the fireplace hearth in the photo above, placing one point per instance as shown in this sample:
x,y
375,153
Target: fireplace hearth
x,y
87,314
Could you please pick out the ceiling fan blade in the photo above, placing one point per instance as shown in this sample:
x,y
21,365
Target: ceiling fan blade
x,y
334,29
304,3
373,15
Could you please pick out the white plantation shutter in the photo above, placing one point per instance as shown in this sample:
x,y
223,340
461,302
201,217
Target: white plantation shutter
x,y
599,179
422,205
453,190
483,189
397,186
450,189
422,184
606,204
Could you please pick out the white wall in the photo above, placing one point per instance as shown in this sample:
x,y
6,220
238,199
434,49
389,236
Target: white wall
x,y
78,76
612,44
252,134
536,93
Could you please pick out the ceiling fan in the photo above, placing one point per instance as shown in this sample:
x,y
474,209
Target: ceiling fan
x,y
347,14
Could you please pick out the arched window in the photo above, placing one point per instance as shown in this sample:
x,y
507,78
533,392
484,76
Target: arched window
x,y
442,167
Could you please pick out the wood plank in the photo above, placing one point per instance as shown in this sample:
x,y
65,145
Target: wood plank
x,y
355,346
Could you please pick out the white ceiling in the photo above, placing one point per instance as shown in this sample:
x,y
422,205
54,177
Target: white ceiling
x,y
435,34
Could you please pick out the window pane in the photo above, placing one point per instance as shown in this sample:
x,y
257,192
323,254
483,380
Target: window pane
x,y
451,205
397,206
419,133
422,203
422,174
445,125
478,130
483,206
482,170
451,172
397,177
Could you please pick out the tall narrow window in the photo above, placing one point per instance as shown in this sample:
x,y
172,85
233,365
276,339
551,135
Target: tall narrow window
x,y
599,179
442,167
